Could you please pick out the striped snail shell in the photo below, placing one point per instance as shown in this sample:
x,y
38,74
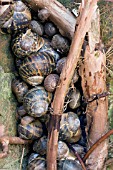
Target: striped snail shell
x,y
60,43
27,120
60,65
50,29
43,15
19,88
20,18
30,131
36,101
36,27
74,98
79,149
69,164
20,112
50,82
36,66
6,11
36,162
40,147
69,126
26,43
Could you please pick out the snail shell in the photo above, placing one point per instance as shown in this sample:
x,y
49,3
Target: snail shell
x,y
20,18
69,126
74,98
36,66
50,29
36,101
41,148
6,12
69,164
60,43
50,82
20,112
30,131
79,149
36,27
38,163
27,120
60,65
26,43
19,88
43,15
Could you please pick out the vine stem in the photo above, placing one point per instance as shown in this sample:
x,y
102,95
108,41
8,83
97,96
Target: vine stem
x,y
94,146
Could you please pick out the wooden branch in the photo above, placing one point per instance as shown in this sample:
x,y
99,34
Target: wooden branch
x,y
98,142
93,73
65,79
61,16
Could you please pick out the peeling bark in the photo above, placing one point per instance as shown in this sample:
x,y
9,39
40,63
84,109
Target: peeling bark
x,y
93,74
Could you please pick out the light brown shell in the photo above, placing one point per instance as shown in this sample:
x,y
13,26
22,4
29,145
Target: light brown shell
x,y
50,82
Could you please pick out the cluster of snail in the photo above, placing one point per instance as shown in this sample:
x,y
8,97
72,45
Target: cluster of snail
x,y
40,53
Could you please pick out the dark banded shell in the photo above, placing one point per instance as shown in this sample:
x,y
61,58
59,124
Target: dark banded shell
x,y
40,147
69,164
19,88
70,127
6,12
36,66
50,82
39,163
30,131
36,101
26,43
60,65
19,19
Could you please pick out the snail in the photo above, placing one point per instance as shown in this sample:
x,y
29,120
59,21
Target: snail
x,y
36,27
35,67
50,29
32,130
60,65
70,127
19,18
74,98
20,112
6,11
69,164
19,88
43,14
26,43
79,149
60,43
50,82
36,101
40,147
36,162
